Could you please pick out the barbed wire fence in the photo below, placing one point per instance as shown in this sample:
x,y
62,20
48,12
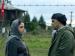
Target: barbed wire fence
x,y
38,5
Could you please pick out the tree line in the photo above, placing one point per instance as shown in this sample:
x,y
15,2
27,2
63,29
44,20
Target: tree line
x,y
34,24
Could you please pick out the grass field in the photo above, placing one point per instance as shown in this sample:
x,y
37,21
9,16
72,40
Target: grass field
x,y
38,44
2,46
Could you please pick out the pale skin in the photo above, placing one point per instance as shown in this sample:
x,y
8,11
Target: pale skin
x,y
56,24
21,27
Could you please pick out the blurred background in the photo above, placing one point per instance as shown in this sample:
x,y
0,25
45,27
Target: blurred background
x,y
36,16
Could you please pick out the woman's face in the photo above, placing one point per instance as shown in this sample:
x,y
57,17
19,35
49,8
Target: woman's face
x,y
21,27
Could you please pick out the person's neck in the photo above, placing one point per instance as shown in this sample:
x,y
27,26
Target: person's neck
x,y
61,26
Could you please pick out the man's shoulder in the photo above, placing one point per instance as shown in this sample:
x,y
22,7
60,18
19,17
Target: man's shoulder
x,y
66,29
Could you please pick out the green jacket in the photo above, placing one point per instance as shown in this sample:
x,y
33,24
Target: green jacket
x,y
62,45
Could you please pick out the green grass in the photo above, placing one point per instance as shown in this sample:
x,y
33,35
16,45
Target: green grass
x,y
38,44
2,46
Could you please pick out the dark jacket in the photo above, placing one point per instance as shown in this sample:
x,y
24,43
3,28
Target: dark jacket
x,y
62,44
14,46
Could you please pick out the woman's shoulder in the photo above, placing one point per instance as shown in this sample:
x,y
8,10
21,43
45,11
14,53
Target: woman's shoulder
x,y
12,39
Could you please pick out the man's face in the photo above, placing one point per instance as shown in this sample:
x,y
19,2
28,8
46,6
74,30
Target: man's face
x,y
55,23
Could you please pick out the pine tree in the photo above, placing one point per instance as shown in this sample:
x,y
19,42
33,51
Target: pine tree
x,y
27,21
34,23
42,23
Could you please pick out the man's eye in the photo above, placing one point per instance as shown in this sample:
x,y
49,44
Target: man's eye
x,y
52,20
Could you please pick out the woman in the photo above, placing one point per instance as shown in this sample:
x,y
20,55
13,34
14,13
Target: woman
x,y
14,46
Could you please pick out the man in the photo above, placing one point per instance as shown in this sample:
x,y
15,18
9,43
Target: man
x,y
62,42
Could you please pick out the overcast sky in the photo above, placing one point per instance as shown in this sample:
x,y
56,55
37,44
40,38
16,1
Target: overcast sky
x,y
47,11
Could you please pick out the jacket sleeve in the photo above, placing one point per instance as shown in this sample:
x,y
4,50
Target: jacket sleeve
x,y
11,49
65,45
